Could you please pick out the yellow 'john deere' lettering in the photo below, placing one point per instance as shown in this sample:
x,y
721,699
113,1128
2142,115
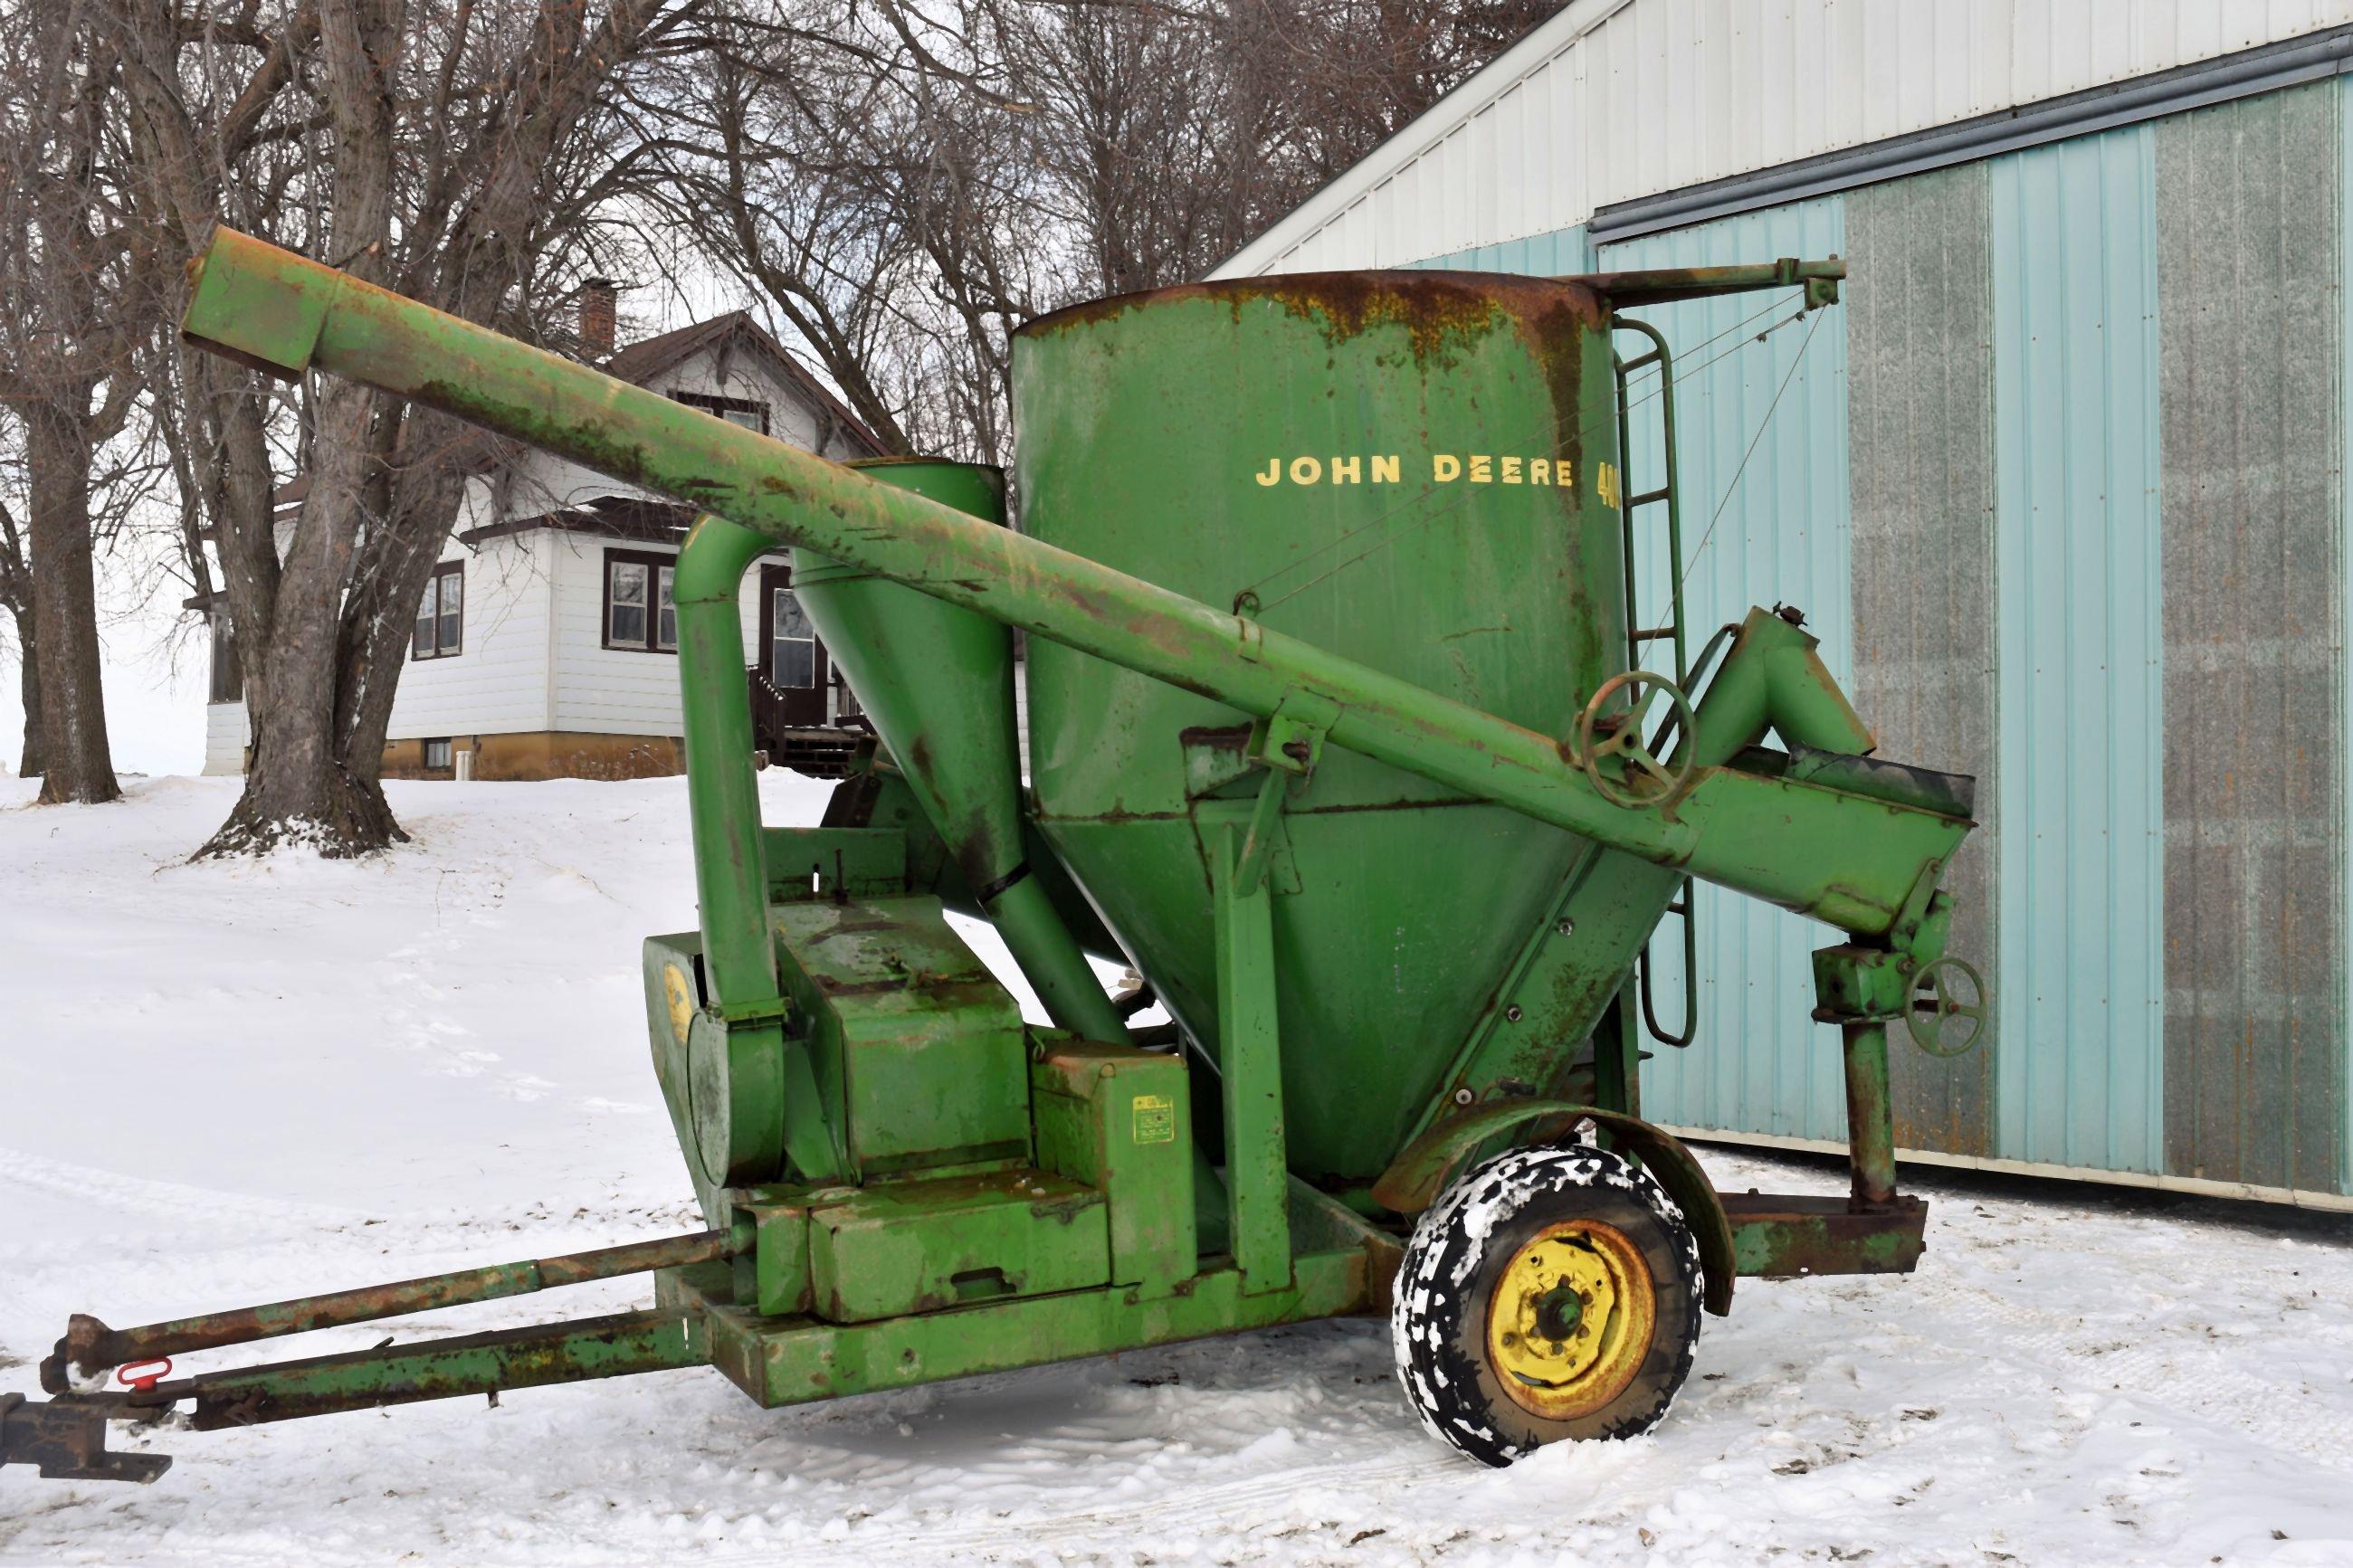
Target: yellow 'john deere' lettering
x,y
1308,470
1337,470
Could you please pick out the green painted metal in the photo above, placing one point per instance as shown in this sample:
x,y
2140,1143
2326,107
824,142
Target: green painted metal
x,y
1118,1120
1853,881
1644,631
1343,826
1258,1164
1525,1040
1776,1237
722,790
618,1346
1261,489
917,1053
896,1247
90,1347
793,1361
1290,442
936,681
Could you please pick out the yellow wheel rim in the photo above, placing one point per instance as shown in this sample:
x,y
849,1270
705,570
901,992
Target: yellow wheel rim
x,y
1570,1320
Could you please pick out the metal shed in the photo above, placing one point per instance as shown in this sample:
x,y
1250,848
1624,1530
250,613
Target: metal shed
x,y
2059,486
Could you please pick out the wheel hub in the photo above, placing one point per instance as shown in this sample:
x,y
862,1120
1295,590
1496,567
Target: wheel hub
x,y
1571,1318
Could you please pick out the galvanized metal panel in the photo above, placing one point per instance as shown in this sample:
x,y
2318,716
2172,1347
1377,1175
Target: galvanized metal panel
x,y
2344,594
1763,464
1648,96
2250,339
2079,858
1919,311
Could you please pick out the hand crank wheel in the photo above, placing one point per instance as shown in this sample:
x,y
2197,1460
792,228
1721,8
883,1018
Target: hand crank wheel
x,y
1642,779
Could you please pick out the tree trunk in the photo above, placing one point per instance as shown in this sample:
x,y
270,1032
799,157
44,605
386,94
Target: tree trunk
x,y
64,607
31,764
303,787
324,633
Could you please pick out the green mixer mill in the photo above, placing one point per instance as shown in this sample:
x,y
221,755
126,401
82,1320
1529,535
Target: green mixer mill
x,y
1338,736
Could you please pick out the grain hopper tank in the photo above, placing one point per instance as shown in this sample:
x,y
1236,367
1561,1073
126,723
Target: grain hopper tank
x,y
1397,469
1336,737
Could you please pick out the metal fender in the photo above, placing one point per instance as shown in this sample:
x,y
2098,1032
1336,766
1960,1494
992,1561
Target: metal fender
x,y
1418,1176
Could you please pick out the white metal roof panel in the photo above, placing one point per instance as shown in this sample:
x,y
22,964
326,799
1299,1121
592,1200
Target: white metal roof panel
x,y
1615,99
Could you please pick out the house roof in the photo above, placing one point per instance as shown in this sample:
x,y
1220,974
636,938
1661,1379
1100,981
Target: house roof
x,y
642,361
638,518
625,517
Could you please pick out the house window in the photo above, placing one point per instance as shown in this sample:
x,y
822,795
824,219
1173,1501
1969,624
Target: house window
x,y
792,644
441,614
735,410
638,612
437,755
228,676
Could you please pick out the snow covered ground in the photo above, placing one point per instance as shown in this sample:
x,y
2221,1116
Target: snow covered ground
x,y
223,1084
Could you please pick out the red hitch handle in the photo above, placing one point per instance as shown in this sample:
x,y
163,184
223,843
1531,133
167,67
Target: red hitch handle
x,y
135,1376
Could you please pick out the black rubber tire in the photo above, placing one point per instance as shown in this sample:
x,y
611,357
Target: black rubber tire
x,y
1461,1246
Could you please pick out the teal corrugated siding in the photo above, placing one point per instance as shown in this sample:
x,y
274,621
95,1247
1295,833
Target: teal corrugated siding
x,y
2080,743
1538,255
2076,774
1779,535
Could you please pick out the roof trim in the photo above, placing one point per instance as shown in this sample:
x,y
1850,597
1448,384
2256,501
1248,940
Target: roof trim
x,y
657,524
1454,108
639,363
634,518
2263,69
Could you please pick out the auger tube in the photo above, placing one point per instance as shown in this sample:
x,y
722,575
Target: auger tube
x,y
280,312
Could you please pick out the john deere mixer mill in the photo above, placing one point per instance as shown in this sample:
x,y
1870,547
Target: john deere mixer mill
x,y
1336,736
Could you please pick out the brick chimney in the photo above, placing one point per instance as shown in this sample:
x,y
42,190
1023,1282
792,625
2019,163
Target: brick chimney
x,y
598,299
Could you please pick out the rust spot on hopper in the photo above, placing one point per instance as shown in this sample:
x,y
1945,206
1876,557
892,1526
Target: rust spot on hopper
x,y
1437,309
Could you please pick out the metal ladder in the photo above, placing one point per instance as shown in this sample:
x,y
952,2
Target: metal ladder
x,y
1639,634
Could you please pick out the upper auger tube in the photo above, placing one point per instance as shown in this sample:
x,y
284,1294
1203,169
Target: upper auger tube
x,y
268,307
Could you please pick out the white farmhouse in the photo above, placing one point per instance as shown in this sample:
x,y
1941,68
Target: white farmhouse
x,y
545,646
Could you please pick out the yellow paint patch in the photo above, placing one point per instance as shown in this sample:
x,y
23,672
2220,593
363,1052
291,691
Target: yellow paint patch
x,y
680,994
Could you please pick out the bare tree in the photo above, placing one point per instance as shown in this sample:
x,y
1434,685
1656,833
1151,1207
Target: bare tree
x,y
80,276
902,187
847,161
16,595
441,148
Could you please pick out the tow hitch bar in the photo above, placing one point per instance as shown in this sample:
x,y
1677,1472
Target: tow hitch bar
x,y
67,1438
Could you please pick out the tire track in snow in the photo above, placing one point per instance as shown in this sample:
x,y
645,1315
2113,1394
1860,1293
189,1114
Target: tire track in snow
x,y
1198,1510
2280,1417
139,1195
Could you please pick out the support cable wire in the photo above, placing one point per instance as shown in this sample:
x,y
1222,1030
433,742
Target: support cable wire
x,y
1733,487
